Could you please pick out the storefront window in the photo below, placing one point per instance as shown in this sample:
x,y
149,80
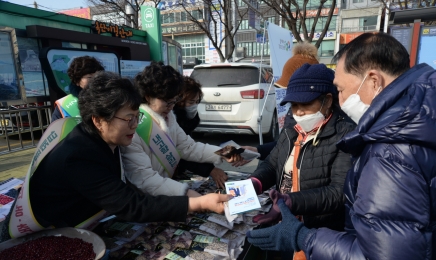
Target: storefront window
x,y
271,19
8,77
314,4
197,14
192,46
34,80
254,49
367,23
244,25
241,3
327,48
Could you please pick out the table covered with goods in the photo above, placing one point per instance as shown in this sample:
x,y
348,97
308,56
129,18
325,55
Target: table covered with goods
x,y
202,236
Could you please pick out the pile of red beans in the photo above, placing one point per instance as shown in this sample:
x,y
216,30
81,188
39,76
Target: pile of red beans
x,y
51,248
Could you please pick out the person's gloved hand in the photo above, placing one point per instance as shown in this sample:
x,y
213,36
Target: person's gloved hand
x,y
257,185
288,235
274,214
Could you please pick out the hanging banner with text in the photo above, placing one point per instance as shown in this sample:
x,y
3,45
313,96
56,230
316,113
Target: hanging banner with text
x,y
280,42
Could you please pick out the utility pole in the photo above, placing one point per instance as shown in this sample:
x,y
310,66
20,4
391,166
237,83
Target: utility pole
x,y
35,4
385,27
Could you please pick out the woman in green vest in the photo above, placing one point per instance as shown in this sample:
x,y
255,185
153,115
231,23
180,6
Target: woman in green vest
x,y
80,71
150,161
76,176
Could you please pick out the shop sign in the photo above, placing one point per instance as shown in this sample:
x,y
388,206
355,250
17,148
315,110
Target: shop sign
x,y
313,12
260,37
348,37
329,35
115,30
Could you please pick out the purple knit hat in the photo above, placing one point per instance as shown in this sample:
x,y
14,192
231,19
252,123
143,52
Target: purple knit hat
x,y
309,82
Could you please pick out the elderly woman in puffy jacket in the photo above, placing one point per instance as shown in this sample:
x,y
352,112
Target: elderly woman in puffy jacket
x,y
306,166
159,142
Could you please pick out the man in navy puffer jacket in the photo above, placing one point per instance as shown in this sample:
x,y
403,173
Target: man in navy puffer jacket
x,y
391,189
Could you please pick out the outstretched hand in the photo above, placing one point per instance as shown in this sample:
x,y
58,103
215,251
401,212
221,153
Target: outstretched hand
x,y
219,176
210,202
273,216
288,235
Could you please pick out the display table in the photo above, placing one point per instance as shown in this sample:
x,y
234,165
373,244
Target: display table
x,y
202,236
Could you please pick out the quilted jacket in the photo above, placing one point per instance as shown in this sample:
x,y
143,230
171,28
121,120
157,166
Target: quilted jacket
x,y
323,169
391,189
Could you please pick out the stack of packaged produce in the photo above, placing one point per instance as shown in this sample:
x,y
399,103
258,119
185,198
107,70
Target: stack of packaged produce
x,y
202,236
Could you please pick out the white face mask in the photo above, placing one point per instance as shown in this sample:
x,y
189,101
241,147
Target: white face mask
x,y
191,111
354,107
309,122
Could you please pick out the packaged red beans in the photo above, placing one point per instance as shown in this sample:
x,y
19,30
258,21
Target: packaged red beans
x,y
50,248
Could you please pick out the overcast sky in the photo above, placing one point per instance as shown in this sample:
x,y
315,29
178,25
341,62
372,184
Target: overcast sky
x,y
52,5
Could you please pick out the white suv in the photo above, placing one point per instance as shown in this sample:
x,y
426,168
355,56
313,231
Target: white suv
x,y
231,99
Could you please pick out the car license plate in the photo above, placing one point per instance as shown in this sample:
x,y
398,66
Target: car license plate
x,y
4,122
216,107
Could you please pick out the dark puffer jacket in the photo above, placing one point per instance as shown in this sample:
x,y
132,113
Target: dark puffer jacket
x,y
391,190
322,173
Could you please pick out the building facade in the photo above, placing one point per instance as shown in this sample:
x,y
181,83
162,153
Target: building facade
x,y
358,17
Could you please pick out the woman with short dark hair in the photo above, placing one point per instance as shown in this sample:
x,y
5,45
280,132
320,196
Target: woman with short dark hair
x,y
151,160
81,176
187,117
80,72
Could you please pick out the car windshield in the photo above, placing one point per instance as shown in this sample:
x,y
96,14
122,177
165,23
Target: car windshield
x,y
226,76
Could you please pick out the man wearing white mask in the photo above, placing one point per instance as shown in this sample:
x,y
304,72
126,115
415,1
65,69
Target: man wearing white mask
x,y
305,165
390,190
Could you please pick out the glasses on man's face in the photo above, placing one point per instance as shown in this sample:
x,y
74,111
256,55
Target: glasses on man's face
x,y
132,120
172,103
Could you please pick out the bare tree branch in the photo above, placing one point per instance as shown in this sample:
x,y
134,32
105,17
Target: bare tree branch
x,y
217,13
296,18
117,9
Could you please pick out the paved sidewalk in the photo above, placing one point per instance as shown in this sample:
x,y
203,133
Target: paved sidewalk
x,y
15,164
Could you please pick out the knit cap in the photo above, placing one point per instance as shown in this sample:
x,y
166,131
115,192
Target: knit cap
x,y
308,83
303,52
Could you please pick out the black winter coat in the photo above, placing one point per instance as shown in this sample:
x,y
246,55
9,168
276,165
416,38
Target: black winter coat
x,y
266,149
323,169
81,176
188,126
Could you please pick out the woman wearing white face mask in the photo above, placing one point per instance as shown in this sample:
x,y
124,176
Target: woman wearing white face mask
x,y
306,167
188,119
